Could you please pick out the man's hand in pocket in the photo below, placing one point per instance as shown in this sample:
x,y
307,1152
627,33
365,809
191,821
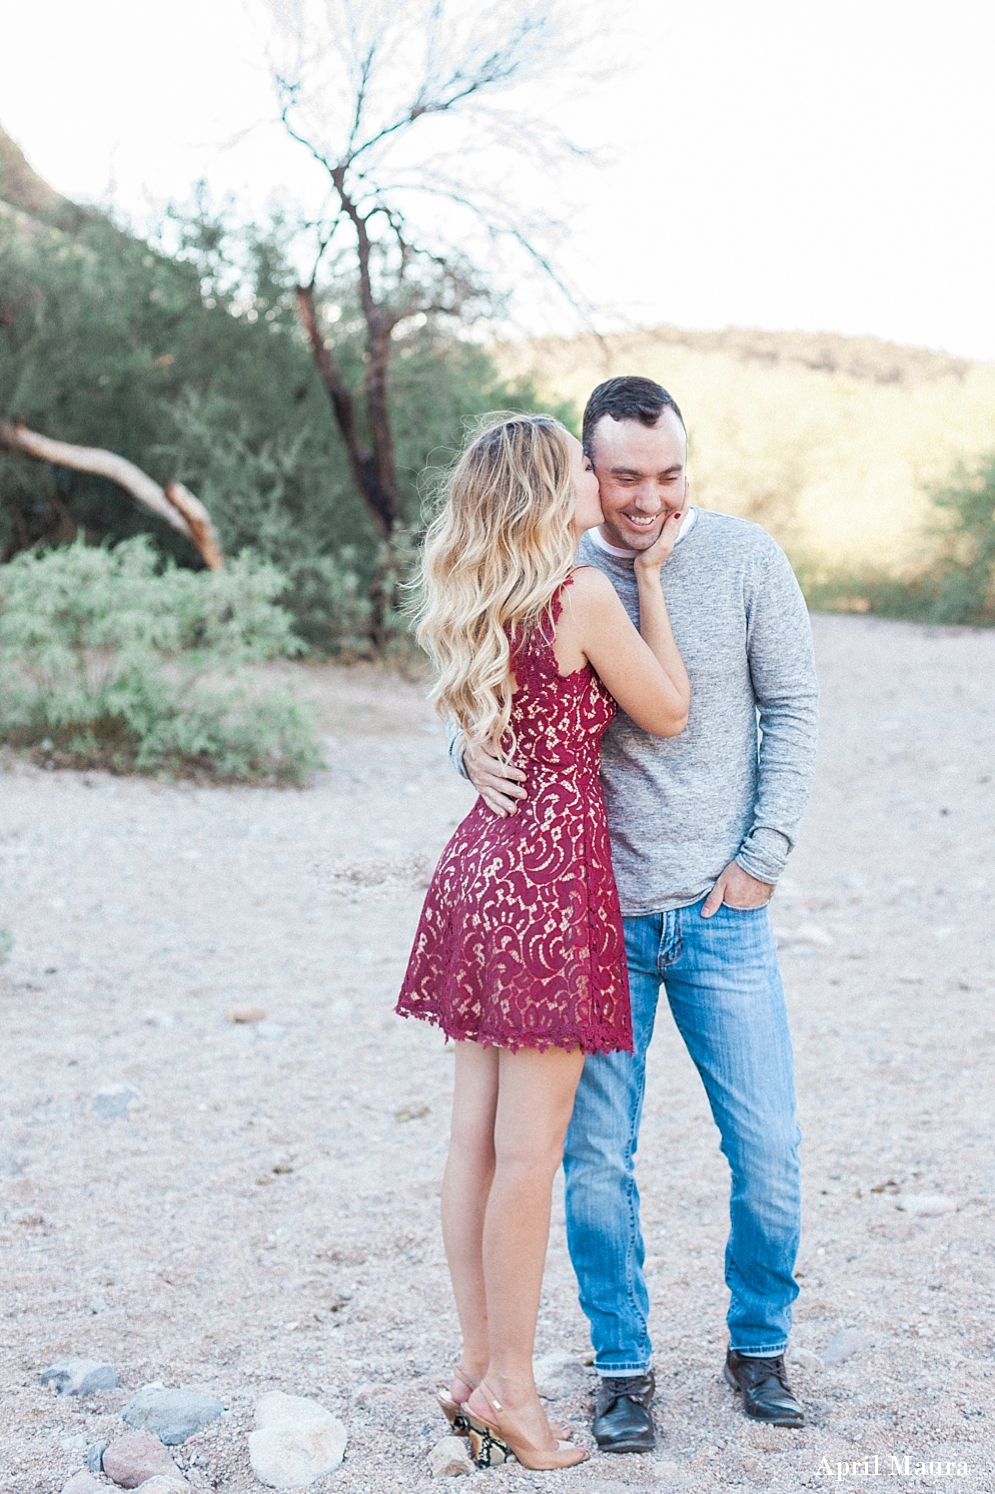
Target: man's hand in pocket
x,y
737,889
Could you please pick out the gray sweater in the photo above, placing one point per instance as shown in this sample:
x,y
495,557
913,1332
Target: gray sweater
x,y
681,808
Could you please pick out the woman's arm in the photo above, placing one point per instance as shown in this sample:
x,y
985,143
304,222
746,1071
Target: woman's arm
x,y
644,671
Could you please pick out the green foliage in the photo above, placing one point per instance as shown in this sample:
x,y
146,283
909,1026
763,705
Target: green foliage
x,y
964,581
191,363
958,586
105,660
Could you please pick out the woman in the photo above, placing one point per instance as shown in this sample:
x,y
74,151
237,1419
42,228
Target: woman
x,y
519,956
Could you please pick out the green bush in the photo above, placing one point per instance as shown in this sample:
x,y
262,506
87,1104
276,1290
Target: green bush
x,y
191,363
107,661
956,587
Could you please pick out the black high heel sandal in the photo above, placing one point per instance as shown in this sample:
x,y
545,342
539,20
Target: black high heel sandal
x,y
488,1451
454,1414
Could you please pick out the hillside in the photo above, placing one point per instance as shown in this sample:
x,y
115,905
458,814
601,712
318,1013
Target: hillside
x,y
832,443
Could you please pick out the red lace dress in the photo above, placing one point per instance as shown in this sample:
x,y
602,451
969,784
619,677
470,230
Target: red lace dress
x,y
520,942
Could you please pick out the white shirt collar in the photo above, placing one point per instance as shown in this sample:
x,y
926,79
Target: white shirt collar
x,y
598,538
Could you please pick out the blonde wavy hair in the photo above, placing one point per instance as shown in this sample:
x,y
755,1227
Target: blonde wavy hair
x,y
494,557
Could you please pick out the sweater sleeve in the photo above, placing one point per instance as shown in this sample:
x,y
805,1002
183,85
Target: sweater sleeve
x,y
782,667
456,746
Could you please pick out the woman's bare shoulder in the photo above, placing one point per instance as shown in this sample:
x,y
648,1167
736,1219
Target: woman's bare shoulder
x,y
591,587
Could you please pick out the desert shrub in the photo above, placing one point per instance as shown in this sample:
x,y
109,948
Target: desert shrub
x,y
963,581
956,585
107,660
189,360
330,602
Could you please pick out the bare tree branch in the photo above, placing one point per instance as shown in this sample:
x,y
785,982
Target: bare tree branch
x,y
174,502
356,79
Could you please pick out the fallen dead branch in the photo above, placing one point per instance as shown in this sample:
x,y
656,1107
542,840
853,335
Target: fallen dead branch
x,y
174,502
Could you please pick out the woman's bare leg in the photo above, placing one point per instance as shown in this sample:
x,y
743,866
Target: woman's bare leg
x,y
535,1095
466,1185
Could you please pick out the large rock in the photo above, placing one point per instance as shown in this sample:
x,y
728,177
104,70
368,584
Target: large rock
x,y
83,1483
135,1457
558,1374
173,1415
295,1442
165,1483
80,1376
805,1359
449,1458
844,1345
274,1409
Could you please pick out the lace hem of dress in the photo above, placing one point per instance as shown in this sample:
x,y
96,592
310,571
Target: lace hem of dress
x,y
593,1039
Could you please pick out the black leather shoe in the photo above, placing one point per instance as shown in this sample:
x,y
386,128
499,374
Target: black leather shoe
x,y
622,1421
767,1396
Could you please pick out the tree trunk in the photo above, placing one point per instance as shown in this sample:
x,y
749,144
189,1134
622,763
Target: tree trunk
x,y
173,503
378,414
367,469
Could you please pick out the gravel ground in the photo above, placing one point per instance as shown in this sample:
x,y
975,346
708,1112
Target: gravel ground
x,y
265,1216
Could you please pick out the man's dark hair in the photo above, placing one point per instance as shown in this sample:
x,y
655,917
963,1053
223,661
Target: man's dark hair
x,y
627,398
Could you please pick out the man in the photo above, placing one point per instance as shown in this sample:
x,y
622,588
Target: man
x,y
701,828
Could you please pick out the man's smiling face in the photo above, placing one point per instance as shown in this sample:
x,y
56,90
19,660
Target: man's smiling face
x,y
641,470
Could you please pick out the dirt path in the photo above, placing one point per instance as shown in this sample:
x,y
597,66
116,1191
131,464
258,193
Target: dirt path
x,y
265,1216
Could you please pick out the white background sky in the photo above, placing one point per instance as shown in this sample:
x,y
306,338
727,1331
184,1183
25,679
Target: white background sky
x,y
782,163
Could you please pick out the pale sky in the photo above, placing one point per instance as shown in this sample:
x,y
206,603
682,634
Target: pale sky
x,y
779,164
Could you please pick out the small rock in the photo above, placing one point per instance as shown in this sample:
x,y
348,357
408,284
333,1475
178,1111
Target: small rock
x,y
412,1113
95,1456
166,1483
805,1359
80,1376
926,1205
365,1395
844,1345
295,1442
83,1483
449,1458
136,1457
240,1014
10,1165
114,1101
173,1415
558,1374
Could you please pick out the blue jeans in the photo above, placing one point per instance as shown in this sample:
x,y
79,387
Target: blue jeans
x,y
724,987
